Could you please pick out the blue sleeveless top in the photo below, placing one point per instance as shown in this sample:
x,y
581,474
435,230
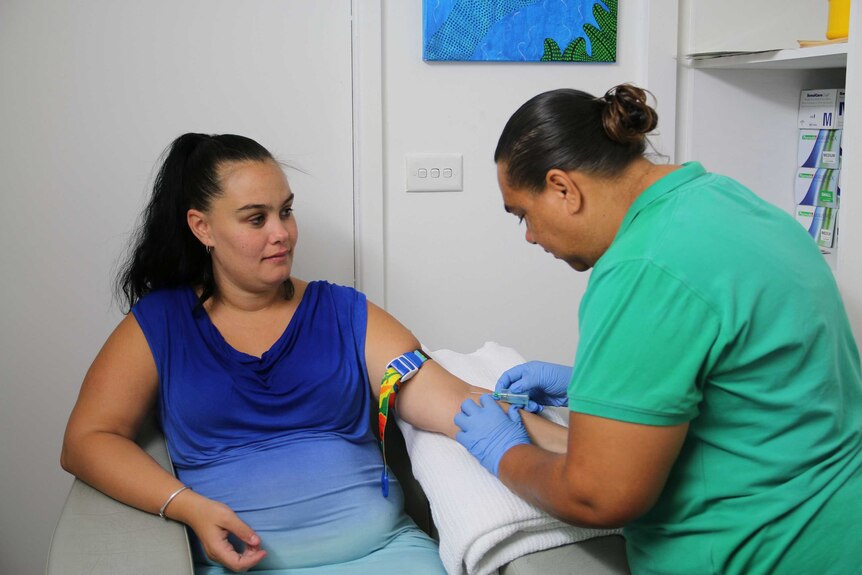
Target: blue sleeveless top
x,y
284,440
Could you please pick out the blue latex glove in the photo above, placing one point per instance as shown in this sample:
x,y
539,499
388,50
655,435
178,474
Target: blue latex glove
x,y
546,383
531,406
488,432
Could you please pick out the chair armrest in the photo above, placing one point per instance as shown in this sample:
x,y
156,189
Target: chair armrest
x,y
604,555
97,535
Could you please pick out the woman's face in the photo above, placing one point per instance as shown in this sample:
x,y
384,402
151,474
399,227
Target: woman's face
x,y
550,222
250,227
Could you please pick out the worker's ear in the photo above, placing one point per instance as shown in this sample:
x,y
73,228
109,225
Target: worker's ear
x,y
566,187
199,226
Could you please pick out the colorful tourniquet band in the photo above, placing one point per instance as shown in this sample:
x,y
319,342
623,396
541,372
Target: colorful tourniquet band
x,y
397,373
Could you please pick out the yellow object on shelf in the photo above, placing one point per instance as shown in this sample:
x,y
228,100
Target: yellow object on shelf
x,y
838,25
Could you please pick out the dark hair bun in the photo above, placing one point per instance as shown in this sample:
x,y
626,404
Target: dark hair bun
x,y
627,117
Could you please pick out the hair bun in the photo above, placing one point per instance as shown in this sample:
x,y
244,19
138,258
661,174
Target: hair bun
x,y
627,116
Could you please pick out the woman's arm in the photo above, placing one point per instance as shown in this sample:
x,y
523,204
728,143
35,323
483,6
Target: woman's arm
x,y
118,391
433,396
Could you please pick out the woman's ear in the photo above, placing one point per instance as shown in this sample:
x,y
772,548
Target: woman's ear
x,y
199,226
566,187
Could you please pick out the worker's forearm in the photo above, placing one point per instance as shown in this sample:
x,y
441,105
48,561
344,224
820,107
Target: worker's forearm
x,y
118,467
539,477
545,434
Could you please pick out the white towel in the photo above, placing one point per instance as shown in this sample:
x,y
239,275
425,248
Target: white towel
x,y
482,524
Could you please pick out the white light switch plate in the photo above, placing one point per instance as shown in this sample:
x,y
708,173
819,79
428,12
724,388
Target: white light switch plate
x,y
434,172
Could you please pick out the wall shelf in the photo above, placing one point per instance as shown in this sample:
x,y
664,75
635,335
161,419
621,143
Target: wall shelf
x,y
737,110
813,57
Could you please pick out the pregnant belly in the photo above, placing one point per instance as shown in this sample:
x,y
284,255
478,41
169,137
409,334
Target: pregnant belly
x,y
314,501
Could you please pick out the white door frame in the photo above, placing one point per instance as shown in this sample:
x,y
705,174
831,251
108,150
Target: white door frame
x,y
368,203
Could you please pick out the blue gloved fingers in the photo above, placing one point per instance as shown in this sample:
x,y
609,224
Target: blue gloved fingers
x,y
489,402
469,406
468,409
488,432
461,420
545,383
534,407
513,413
525,378
464,421
510,378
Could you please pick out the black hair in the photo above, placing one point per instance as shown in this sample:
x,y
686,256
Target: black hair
x,y
572,130
164,252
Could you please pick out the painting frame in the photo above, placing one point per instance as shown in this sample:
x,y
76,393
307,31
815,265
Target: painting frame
x,y
579,31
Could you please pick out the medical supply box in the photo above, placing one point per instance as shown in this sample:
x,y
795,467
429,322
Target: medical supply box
x,y
820,223
819,149
820,109
816,187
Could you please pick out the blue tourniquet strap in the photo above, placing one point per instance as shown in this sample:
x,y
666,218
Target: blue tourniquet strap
x,y
408,364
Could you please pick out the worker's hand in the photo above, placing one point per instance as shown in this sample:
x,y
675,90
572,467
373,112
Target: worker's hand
x,y
488,432
226,539
545,383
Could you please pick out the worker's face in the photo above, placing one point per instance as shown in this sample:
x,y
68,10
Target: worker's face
x,y
550,221
250,227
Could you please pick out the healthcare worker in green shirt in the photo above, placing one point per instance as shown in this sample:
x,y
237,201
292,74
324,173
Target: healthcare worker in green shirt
x,y
716,398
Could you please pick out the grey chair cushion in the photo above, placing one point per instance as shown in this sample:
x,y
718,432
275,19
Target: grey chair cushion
x,y
97,535
598,556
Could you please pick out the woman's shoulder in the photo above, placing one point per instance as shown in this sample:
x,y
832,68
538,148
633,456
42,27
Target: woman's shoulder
x,y
333,289
347,299
165,299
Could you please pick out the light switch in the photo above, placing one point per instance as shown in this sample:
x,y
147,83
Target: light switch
x,y
434,172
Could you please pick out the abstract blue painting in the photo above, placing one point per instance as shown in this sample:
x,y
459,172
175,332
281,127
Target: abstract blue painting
x,y
520,30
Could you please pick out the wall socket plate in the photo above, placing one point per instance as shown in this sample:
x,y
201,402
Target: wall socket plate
x,y
434,172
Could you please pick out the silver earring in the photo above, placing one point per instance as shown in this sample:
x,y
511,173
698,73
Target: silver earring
x,y
209,250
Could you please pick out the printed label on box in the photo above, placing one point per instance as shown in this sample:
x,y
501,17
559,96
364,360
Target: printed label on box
x,y
826,237
819,149
821,108
819,221
816,187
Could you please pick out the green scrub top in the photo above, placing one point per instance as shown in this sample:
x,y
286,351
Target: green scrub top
x,y
713,307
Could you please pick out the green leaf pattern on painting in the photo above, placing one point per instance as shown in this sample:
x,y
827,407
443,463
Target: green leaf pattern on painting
x,y
603,39
552,51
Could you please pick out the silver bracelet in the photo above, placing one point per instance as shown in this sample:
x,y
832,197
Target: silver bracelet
x,y
171,498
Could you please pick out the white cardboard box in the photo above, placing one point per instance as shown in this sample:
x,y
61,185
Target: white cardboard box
x,y
816,187
819,149
821,108
819,221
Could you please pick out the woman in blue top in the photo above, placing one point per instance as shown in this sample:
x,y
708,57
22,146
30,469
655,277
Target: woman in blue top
x,y
716,397
263,383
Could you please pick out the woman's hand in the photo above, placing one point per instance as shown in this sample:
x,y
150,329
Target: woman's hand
x,y
214,522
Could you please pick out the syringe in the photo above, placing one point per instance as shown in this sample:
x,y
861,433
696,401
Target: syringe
x,y
521,399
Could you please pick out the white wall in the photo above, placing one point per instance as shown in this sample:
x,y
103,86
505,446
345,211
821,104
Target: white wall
x,y
737,140
743,25
91,92
85,111
458,271
849,262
